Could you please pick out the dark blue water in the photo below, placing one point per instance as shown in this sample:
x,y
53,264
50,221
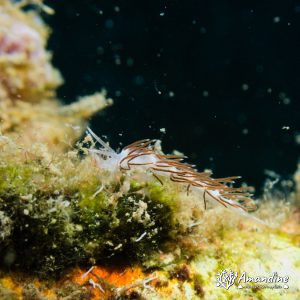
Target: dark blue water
x,y
222,77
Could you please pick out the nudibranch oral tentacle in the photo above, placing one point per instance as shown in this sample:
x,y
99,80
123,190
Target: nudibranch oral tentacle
x,y
142,155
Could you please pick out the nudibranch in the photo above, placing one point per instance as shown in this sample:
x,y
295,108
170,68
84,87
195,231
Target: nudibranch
x,y
143,156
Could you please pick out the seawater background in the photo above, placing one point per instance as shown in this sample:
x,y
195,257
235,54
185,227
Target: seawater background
x,y
222,77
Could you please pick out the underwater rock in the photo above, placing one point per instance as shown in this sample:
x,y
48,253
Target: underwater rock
x,y
28,110
70,229
59,212
25,69
55,125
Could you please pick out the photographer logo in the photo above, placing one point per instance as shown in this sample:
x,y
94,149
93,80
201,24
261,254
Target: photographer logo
x,y
225,279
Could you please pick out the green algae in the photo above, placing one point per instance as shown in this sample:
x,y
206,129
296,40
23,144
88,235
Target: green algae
x,y
55,219
162,193
61,212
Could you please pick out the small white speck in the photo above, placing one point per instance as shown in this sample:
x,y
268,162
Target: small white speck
x,y
87,272
245,87
26,212
205,93
162,14
117,8
276,19
95,285
137,240
118,247
171,94
78,227
285,127
245,131
284,98
163,130
269,90
156,88
117,60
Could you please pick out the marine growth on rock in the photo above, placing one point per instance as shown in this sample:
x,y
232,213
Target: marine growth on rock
x,y
79,221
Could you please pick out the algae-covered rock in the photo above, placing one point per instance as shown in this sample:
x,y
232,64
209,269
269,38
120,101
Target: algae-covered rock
x,y
25,69
29,111
63,211
71,229
55,125
52,215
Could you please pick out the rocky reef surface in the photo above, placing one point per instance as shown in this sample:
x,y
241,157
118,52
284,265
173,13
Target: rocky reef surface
x,y
70,230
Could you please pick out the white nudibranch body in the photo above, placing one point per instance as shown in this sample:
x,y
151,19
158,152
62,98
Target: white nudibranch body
x,y
142,155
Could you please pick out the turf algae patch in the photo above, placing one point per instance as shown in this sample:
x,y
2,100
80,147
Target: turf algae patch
x,y
46,228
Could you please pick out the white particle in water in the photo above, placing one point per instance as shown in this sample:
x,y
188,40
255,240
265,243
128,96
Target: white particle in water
x,y
245,87
205,93
117,60
171,94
